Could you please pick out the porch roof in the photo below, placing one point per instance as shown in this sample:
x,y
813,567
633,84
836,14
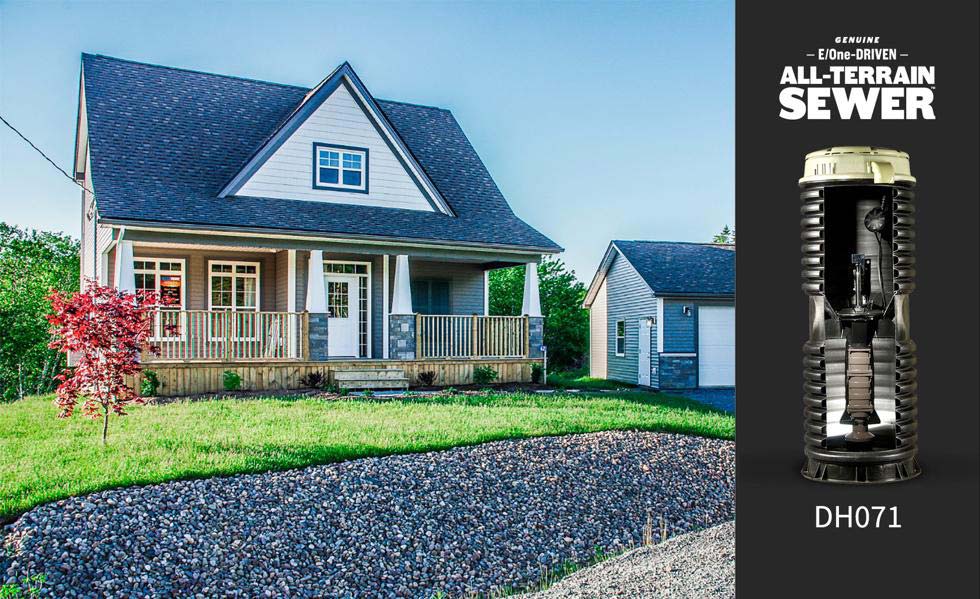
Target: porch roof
x,y
165,141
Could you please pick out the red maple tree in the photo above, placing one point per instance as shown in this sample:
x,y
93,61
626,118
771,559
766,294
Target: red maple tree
x,y
106,330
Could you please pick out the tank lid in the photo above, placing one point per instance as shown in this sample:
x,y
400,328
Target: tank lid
x,y
857,163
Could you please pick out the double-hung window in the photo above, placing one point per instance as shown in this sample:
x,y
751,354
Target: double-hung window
x,y
620,337
234,287
340,168
165,277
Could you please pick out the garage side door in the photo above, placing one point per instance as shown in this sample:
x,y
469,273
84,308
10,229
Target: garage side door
x,y
716,346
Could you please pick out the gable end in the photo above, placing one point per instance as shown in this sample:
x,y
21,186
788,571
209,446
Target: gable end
x,y
342,88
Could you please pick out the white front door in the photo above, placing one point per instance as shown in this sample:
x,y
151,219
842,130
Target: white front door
x,y
342,314
643,362
716,346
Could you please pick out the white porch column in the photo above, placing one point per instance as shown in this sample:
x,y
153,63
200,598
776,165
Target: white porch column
x,y
125,278
402,301
532,297
291,306
385,301
316,294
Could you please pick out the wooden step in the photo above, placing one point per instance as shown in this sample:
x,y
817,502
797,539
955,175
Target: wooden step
x,y
355,384
368,374
370,378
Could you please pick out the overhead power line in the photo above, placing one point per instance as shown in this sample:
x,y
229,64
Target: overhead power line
x,y
39,151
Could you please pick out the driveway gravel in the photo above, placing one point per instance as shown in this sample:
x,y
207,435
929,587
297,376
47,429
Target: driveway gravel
x,y
469,519
698,565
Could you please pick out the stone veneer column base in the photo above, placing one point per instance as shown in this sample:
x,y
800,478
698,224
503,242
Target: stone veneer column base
x,y
318,337
401,336
535,325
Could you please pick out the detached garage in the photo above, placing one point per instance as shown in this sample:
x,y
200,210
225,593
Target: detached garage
x,y
662,315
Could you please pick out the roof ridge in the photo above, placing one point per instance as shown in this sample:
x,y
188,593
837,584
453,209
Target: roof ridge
x,y
195,71
663,241
412,104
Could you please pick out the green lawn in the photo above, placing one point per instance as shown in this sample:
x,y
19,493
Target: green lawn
x,y
43,458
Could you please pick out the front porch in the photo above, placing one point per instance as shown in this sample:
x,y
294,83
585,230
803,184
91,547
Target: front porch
x,y
274,314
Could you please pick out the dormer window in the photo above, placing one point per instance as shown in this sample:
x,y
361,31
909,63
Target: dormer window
x,y
340,168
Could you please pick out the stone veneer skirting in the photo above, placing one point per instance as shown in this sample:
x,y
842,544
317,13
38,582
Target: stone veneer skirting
x,y
678,372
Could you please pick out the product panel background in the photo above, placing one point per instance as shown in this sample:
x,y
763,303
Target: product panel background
x,y
779,549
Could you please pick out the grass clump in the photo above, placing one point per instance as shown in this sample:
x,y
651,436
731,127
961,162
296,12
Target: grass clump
x,y
580,379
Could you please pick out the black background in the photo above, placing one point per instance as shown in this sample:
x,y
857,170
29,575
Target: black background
x,y
779,550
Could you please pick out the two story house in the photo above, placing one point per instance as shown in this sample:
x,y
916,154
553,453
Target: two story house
x,y
290,229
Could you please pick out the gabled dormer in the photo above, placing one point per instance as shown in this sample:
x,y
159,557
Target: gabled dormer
x,y
337,147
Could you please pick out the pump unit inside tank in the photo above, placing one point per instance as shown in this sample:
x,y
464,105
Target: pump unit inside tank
x,y
858,270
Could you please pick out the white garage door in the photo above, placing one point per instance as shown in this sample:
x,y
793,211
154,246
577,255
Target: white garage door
x,y
716,346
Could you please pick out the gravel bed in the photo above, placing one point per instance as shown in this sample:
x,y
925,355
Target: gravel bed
x,y
698,565
469,519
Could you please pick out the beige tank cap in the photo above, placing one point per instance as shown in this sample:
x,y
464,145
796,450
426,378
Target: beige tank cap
x,y
857,163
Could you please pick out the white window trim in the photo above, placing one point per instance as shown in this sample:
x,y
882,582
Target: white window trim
x,y
340,168
258,283
370,299
156,277
616,337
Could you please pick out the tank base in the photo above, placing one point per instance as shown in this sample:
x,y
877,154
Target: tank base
x,y
860,474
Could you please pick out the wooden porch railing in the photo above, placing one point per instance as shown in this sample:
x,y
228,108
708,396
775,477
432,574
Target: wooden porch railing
x,y
439,336
227,336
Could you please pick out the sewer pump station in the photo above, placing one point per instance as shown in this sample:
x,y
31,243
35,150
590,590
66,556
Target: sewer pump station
x,y
858,272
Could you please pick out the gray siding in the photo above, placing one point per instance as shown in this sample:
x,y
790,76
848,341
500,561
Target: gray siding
x,y
465,282
628,298
282,282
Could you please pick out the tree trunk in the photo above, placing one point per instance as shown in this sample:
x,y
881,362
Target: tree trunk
x,y
105,424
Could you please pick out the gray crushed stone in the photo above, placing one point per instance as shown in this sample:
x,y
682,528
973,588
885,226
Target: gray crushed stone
x,y
697,565
467,520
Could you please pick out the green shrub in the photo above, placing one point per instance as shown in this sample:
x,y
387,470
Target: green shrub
x,y
537,373
484,375
149,384
313,380
232,381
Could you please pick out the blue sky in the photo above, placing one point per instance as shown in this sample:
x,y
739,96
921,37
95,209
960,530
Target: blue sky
x,y
597,120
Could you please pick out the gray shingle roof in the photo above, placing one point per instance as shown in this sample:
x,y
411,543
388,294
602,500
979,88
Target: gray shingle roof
x,y
679,268
164,142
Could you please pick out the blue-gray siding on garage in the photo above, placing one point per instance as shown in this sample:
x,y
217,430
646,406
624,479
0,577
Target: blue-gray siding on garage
x,y
629,299
681,336
680,331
